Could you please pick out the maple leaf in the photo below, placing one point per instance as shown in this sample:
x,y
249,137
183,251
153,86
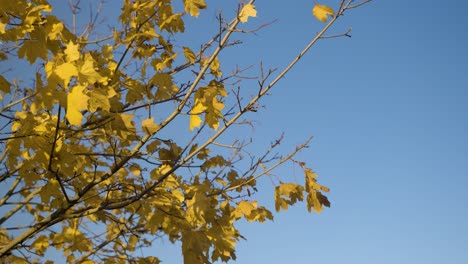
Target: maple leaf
x,y
195,121
32,51
65,72
149,126
189,55
321,12
246,12
166,88
193,7
72,52
76,102
87,73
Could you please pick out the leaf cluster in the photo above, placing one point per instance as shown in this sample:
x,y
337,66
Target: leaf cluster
x,y
109,143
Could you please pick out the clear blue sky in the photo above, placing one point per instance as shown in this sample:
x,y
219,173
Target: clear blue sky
x,y
388,109
388,112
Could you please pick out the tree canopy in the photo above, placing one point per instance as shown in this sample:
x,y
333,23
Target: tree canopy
x,y
112,137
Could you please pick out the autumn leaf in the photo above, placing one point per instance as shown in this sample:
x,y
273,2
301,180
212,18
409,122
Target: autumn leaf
x,y
41,244
77,101
193,7
135,169
32,51
98,101
87,72
65,72
189,55
2,27
4,85
85,141
149,126
195,121
72,52
246,12
165,86
321,12
245,209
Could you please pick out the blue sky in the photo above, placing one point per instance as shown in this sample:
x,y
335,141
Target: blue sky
x,y
388,112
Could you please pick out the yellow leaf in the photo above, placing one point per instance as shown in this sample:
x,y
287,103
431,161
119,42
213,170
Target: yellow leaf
x,y
244,208
2,27
195,121
87,73
214,66
166,88
198,208
321,12
76,102
149,126
189,55
135,169
50,190
55,30
41,244
246,12
161,171
65,71
106,51
122,125
98,101
33,50
72,52
193,7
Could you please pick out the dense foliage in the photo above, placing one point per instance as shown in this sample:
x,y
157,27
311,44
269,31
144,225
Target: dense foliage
x,y
110,143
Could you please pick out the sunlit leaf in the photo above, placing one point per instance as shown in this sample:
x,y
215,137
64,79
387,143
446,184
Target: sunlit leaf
x,y
72,52
193,7
65,72
246,12
77,101
195,121
87,72
321,12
